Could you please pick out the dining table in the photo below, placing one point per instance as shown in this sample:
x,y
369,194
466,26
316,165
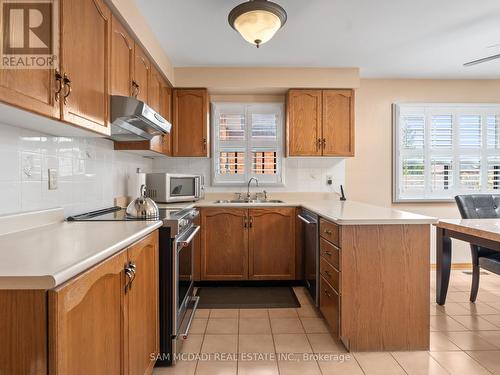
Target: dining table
x,y
481,232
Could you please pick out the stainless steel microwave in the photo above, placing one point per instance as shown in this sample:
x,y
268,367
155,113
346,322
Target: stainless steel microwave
x,y
170,187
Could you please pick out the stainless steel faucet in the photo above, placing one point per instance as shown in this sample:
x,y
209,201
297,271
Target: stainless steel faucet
x,y
248,186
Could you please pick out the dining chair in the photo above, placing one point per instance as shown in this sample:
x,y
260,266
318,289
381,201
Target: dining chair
x,y
480,206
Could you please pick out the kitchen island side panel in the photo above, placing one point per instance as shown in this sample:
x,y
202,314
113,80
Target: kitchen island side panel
x,y
385,297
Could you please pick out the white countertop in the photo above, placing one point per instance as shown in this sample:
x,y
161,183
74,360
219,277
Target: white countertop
x,y
45,256
41,251
341,212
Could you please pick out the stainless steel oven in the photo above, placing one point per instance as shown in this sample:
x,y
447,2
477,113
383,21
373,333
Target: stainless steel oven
x,y
182,280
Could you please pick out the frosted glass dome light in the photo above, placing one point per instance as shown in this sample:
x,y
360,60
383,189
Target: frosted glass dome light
x,y
257,20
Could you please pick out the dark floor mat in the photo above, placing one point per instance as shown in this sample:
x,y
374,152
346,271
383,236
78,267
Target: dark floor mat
x,y
234,297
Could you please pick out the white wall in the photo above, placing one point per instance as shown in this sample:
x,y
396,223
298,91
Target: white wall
x,y
90,172
300,174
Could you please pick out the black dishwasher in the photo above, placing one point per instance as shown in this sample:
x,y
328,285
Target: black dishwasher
x,y
311,253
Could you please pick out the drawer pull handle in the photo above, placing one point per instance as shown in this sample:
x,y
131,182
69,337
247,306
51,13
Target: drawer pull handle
x,y
328,231
328,253
328,294
328,273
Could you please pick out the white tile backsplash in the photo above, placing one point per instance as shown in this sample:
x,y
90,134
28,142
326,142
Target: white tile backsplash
x,y
90,172
300,174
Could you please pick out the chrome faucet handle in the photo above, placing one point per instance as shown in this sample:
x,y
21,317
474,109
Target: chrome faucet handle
x,y
265,195
238,196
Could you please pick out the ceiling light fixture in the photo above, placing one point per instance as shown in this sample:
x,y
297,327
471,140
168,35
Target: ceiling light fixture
x,y
257,20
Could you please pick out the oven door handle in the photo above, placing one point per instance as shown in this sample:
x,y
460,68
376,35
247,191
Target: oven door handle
x,y
187,241
188,327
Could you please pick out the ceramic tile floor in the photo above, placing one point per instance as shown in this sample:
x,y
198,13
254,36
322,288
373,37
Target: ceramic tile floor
x,y
465,339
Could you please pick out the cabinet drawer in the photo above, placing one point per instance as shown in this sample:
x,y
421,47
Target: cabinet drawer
x,y
330,274
329,302
329,231
330,252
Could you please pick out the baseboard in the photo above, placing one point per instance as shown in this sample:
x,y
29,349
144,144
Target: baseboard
x,y
457,266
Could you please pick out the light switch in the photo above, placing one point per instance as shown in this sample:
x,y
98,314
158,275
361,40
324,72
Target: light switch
x,y
52,179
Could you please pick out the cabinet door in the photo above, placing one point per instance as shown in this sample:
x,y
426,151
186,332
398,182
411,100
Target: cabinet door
x,y
166,112
304,122
329,305
122,59
154,89
338,123
190,107
224,244
85,60
272,244
143,306
142,69
86,321
31,89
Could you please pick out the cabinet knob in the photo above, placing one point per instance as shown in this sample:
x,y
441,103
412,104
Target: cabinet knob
x,y
328,231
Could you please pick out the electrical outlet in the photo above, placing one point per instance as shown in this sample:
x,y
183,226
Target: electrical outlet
x,y
52,179
329,180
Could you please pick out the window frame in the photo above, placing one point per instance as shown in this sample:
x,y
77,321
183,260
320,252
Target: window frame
x,y
428,110
248,145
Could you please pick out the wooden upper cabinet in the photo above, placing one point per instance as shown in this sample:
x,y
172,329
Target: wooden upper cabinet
x,y
320,122
154,89
142,68
166,112
85,63
143,309
304,122
338,123
86,321
122,59
224,244
271,249
31,89
190,110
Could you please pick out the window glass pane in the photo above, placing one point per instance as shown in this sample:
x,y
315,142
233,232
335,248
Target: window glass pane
x,y
470,131
231,127
470,173
442,131
231,162
413,174
441,174
264,126
494,173
264,162
493,131
412,132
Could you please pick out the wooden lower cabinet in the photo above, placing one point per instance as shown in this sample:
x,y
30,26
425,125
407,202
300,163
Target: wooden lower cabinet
x,y
224,244
143,306
243,244
88,325
271,251
330,306
86,322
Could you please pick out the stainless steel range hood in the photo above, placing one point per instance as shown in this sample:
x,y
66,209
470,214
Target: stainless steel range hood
x,y
133,120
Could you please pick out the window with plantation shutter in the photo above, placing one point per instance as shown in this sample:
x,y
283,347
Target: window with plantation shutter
x,y
441,150
247,143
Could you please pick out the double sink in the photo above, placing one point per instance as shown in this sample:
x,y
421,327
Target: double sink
x,y
240,201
